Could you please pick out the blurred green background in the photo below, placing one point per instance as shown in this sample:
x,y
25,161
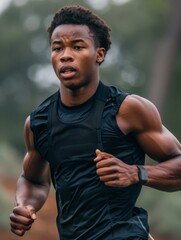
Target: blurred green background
x,y
145,59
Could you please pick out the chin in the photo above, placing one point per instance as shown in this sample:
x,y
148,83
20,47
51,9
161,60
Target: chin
x,y
74,85
71,86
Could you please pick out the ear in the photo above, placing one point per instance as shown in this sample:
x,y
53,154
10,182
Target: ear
x,y
100,55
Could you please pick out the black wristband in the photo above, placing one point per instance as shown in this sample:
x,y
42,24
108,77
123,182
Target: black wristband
x,y
142,174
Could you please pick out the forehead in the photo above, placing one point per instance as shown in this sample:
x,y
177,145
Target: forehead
x,y
71,31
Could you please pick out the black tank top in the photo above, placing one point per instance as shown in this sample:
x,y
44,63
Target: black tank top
x,y
87,209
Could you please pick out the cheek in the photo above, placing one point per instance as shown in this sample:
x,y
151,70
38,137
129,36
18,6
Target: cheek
x,y
52,59
53,65
89,61
54,62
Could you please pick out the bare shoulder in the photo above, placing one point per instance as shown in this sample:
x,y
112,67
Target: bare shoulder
x,y
27,124
28,134
29,141
138,103
137,113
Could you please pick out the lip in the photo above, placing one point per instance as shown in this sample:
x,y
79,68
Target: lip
x,y
66,68
67,72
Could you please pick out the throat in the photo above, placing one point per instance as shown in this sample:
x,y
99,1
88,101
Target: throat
x,y
72,97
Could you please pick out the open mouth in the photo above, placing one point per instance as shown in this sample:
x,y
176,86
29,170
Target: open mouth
x,y
66,69
67,72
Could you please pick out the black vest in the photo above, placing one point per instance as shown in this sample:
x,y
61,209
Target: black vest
x,y
87,209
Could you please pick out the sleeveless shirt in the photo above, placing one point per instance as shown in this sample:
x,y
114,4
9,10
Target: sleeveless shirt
x,y
87,209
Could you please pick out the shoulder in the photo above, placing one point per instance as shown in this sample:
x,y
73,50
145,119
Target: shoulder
x,y
116,97
41,111
46,103
28,134
39,115
139,104
115,91
138,114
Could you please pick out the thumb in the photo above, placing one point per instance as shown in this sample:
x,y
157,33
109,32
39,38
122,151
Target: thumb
x,y
32,212
98,152
102,155
99,155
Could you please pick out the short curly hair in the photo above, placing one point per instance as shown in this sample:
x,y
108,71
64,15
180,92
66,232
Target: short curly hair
x,y
79,15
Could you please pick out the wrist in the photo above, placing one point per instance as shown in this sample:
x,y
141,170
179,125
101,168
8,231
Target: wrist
x,y
142,174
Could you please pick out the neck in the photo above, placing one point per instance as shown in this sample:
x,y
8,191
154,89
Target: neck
x,y
78,96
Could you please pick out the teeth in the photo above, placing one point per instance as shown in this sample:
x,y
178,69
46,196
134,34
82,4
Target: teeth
x,y
68,70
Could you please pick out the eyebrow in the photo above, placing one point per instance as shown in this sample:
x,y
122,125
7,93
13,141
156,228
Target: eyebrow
x,y
56,42
78,40
73,41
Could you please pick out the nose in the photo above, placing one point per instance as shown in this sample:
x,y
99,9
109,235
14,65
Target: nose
x,y
66,55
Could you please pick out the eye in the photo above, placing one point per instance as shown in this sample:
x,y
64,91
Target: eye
x,y
56,49
78,47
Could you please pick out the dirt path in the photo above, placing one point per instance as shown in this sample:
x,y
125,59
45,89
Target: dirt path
x,y
45,225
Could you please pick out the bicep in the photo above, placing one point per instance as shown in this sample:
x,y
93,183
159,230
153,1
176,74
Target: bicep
x,y
159,145
140,117
154,138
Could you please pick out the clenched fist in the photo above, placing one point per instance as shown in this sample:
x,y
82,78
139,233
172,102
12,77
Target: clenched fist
x,y
22,219
114,172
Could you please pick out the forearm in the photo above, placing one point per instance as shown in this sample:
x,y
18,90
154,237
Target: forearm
x,y
29,193
165,176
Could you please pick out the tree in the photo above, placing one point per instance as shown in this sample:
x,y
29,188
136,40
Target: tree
x,y
165,57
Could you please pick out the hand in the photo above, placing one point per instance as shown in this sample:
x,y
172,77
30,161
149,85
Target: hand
x,y
114,172
22,219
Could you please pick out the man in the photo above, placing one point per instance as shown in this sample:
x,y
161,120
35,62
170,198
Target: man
x,y
91,140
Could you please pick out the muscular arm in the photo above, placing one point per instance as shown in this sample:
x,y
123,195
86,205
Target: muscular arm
x,y
139,117
32,186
